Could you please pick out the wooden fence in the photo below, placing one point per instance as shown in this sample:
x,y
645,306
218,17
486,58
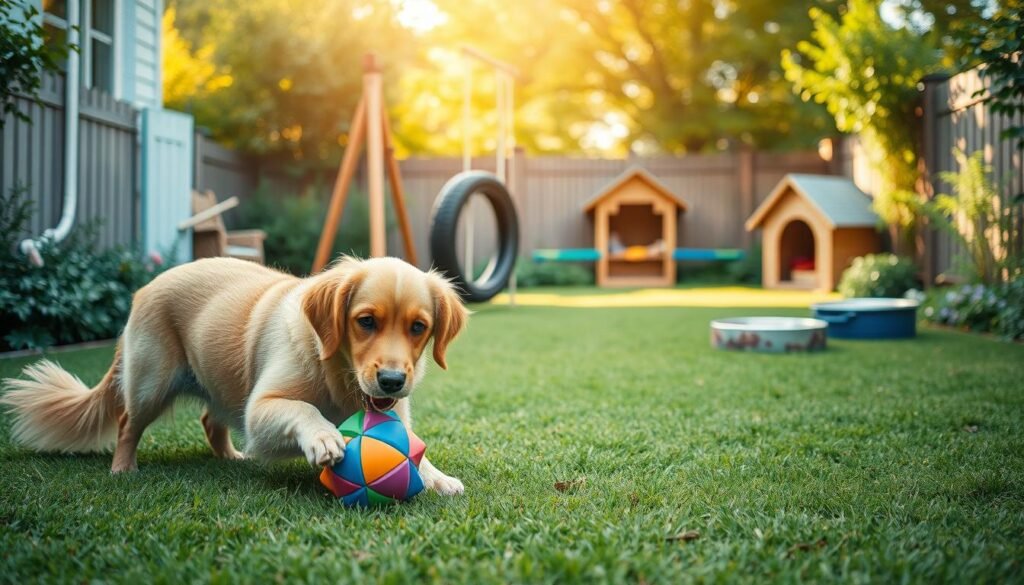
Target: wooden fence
x,y
32,156
722,190
223,171
956,118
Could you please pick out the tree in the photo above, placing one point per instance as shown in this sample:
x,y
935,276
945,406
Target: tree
x,y
866,73
654,75
998,44
188,77
278,78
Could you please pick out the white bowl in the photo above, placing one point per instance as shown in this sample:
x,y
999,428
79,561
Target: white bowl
x,y
769,334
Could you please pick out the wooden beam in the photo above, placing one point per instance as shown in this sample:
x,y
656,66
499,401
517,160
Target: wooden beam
x,y
348,168
484,57
398,194
746,180
208,213
375,156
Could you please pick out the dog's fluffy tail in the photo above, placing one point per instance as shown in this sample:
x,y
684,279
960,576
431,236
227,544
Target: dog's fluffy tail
x,y
54,411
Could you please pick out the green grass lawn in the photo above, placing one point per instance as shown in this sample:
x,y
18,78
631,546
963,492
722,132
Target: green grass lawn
x,y
875,461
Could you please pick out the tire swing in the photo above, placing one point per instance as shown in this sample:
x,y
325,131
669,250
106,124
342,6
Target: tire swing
x,y
448,206
457,196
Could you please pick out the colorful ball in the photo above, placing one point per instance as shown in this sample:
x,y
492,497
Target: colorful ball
x,y
381,464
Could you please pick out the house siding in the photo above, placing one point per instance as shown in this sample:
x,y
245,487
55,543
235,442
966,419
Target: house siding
x,y
144,81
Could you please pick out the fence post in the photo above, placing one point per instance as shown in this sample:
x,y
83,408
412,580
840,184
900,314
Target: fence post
x,y
746,178
517,187
927,165
197,161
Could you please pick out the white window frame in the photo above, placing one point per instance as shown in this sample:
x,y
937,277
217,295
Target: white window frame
x,y
87,35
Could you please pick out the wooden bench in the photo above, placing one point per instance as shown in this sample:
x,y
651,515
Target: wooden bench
x,y
211,239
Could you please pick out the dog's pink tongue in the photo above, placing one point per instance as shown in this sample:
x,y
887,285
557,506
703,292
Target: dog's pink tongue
x,y
382,404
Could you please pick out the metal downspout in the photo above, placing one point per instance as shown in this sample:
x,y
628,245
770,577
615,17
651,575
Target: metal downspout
x,y
29,246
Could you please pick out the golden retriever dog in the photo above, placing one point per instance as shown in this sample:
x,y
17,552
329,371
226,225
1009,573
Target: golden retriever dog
x,y
282,359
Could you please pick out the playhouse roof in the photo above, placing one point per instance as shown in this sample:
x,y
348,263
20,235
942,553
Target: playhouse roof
x,y
629,174
837,199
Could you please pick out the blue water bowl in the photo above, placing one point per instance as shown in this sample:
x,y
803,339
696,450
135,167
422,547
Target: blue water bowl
x,y
864,318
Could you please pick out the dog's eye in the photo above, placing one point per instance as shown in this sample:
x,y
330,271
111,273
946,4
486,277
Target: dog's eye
x,y
418,327
367,322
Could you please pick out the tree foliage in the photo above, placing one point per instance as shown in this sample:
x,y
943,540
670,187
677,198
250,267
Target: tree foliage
x,y
988,228
295,70
998,45
598,77
654,75
24,57
866,73
189,76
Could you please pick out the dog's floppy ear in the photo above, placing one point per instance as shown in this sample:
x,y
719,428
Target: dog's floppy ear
x,y
326,305
450,317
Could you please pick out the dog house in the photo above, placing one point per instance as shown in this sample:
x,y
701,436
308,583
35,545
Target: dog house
x,y
635,231
814,226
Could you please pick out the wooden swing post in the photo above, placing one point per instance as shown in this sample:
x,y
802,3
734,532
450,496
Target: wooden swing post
x,y
370,125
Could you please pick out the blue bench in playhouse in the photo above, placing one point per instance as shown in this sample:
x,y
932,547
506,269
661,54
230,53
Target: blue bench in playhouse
x,y
679,255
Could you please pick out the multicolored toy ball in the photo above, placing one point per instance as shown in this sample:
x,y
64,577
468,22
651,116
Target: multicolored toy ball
x,y
381,464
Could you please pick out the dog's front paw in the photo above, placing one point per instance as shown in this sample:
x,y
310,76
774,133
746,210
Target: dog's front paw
x,y
444,484
324,448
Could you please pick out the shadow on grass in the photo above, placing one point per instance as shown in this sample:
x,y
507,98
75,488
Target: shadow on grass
x,y
196,467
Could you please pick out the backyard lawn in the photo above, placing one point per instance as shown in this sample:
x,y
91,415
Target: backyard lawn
x,y
598,441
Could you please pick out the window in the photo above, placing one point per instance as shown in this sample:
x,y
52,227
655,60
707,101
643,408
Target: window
x,y
97,53
55,24
98,59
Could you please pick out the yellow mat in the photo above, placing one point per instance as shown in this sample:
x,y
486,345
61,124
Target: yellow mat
x,y
725,296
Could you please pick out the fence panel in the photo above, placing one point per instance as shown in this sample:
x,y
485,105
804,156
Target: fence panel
x,y
32,156
958,119
223,171
551,193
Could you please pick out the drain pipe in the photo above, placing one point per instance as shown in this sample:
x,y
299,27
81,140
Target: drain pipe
x,y
29,246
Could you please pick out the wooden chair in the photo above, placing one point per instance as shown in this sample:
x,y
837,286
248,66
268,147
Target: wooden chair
x,y
211,239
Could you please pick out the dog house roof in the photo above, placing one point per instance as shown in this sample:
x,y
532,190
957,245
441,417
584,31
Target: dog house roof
x,y
631,173
837,199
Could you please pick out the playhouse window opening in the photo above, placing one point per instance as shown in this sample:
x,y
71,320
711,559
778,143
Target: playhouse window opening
x,y
635,226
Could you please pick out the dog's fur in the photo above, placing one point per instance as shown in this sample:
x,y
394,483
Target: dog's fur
x,y
282,359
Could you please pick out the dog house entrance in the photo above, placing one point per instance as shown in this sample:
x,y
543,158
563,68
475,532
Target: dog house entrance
x,y
796,256
635,244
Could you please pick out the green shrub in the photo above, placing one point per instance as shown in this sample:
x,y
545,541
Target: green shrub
x,y
997,309
747,269
703,273
293,224
80,293
971,306
531,274
1010,323
988,229
878,275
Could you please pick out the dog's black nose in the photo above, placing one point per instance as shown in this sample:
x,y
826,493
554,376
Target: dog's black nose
x,y
390,381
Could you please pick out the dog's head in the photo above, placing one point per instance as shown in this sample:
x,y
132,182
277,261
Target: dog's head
x,y
381,313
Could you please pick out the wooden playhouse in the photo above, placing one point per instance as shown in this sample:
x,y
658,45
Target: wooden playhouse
x,y
635,231
814,226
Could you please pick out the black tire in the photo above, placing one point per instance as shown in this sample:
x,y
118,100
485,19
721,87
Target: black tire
x,y
444,223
